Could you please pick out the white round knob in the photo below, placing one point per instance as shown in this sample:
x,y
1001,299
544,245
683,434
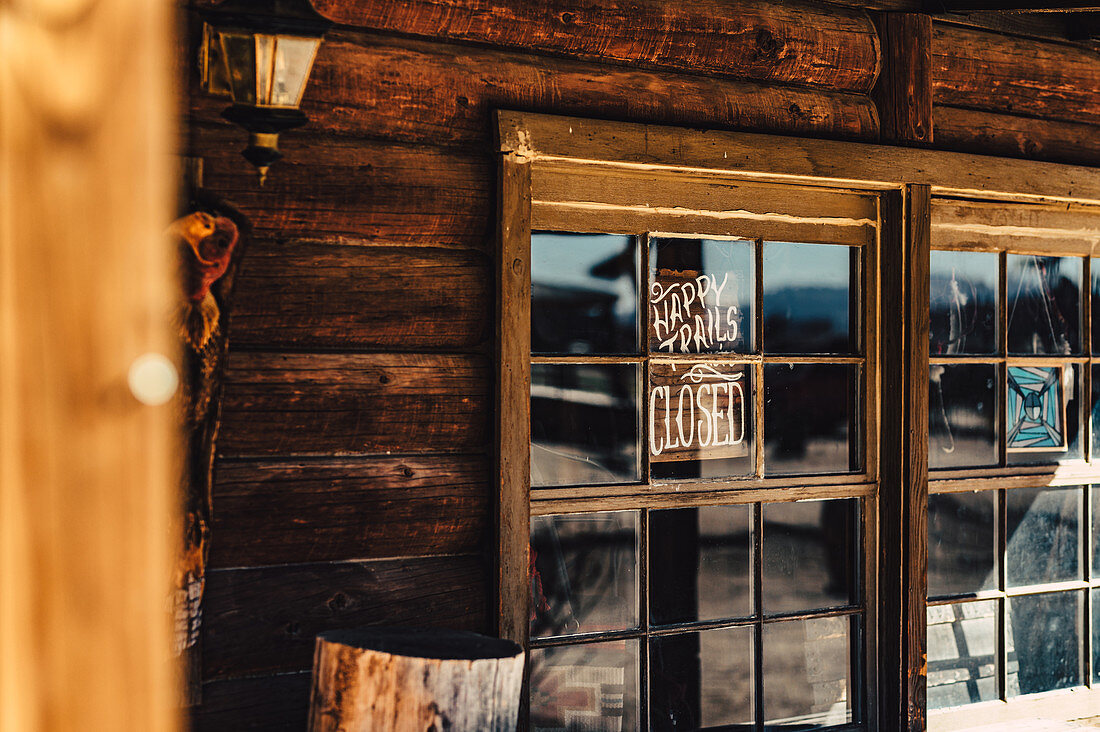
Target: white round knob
x,y
153,379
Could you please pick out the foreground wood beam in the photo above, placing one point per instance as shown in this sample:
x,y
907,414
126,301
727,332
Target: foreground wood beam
x,y
903,92
87,472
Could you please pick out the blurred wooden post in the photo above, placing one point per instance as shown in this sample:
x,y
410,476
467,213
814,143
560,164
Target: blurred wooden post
x,y
86,470
390,680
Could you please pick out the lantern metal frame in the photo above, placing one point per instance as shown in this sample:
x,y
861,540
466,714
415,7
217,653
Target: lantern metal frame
x,y
266,23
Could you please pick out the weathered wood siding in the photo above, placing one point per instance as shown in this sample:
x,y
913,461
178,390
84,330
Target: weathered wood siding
x,y
353,483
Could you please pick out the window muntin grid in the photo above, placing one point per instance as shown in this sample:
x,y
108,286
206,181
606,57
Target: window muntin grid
x,y
786,371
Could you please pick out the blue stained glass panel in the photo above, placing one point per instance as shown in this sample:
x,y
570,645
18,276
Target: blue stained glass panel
x,y
1036,409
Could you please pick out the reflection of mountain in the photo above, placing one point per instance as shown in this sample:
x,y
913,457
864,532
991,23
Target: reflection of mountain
x,y
578,320
806,318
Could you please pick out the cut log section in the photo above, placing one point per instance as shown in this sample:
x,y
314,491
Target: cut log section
x,y
395,679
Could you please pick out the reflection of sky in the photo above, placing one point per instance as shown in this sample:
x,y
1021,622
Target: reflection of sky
x,y
566,260
805,265
977,267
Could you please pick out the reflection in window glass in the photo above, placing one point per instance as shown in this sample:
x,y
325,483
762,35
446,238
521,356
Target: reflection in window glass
x,y
700,296
963,303
1095,270
701,680
584,573
1095,637
961,543
699,564
807,298
808,555
584,424
807,672
962,648
585,688
584,293
1071,389
1044,642
1044,304
701,420
1041,536
962,415
809,417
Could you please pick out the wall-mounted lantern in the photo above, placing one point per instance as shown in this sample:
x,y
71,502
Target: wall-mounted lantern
x,y
259,53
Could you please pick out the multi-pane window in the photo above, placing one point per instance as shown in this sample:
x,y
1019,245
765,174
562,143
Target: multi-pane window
x,y
691,389
1011,512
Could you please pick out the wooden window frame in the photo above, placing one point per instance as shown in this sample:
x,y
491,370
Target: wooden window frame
x,y
544,162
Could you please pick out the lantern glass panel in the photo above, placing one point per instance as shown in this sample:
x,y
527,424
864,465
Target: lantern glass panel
x,y
265,66
293,62
239,53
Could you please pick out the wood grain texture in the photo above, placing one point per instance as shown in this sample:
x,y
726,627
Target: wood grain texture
x,y
512,426
342,404
794,42
336,509
399,680
444,94
904,453
774,158
303,295
262,703
1006,74
1016,136
1057,229
264,620
904,88
355,191
88,474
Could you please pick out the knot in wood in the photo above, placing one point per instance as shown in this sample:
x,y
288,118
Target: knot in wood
x,y
767,45
339,601
568,18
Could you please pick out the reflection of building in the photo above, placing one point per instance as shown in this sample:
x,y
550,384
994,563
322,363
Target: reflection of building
x,y
572,319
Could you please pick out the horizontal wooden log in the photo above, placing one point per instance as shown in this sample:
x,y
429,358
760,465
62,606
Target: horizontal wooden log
x,y
981,70
354,191
797,42
361,508
413,91
302,295
264,620
340,404
264,703
967,130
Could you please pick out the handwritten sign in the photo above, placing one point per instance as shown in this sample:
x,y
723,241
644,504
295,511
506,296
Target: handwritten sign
x,y
696,411
695,312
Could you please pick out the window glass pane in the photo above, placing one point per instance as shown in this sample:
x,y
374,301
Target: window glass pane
x,y
584,573
1044,639
962,415
702,680
1018,413
701,420
1044,304
961,543
585,688
1042,535
1095,637
584,424
700,296
807,672
1095,270
807,298
810,418
963,303
962,654
1096,532
584,293
1095,414
809,555
699,564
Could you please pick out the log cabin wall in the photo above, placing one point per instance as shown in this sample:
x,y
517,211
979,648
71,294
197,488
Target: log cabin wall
x,y
352,484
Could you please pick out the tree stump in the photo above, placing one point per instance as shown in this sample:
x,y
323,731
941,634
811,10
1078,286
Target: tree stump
x,y
398,679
